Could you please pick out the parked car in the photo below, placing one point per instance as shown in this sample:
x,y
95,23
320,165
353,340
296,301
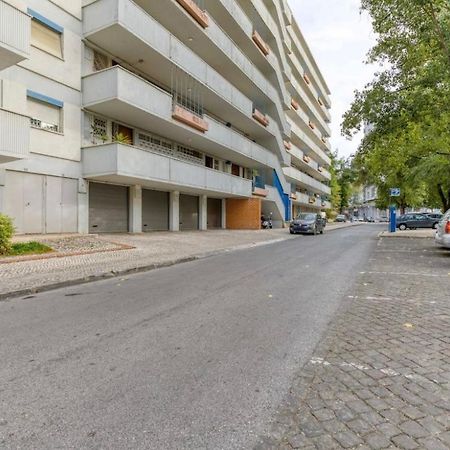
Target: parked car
x,y
415,220
370,220
435,216
442,236
340,218
308,223
384,219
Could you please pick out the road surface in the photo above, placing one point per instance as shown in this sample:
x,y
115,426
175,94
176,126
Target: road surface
x,y
198,355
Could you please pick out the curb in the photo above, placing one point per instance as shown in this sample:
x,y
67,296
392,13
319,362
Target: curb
x,y
398,235
146,268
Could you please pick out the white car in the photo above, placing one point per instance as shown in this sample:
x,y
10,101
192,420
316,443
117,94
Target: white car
x,y
442,237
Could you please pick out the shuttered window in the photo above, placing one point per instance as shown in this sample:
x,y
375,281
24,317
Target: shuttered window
x,y
46,35
44,115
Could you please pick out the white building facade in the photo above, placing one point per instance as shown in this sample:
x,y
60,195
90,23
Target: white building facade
x,y
132,116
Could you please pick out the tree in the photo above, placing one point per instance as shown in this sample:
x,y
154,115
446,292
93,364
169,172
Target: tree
x,y
408,102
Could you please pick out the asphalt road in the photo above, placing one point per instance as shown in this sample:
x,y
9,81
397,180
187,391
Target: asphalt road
x,y
198,355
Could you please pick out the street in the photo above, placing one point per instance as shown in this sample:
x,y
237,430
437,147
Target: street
x,y
198,355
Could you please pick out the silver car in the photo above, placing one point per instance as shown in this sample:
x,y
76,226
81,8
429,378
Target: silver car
x,y
442,237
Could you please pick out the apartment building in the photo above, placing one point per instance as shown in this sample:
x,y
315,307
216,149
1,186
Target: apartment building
x,y
121,115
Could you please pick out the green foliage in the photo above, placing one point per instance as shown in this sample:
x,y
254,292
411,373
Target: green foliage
x,y
335,198
121,139
407,103
6,233
27,248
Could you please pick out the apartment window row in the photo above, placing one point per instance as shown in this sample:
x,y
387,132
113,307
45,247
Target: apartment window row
x,y
99,130
46,35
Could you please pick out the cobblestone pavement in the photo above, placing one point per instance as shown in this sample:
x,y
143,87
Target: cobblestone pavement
x,y
148,249
380,378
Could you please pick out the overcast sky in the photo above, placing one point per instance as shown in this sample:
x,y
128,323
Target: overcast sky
x,y
339,38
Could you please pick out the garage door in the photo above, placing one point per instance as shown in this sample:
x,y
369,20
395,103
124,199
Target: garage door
x,y
108,208
24,201
61,205
214,213
155,210
188,212
41,203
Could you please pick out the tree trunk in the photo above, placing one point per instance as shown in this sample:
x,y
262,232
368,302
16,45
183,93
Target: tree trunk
x,y
444,199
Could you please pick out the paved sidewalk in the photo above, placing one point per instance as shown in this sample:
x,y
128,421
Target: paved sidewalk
x,y
91,257
381,376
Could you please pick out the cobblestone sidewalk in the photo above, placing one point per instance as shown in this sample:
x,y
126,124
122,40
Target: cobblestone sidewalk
x,y
381,376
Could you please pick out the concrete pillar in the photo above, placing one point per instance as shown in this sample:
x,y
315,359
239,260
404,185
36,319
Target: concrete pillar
x,y
224,214
2,189
83,206
135,209
203,212
174,211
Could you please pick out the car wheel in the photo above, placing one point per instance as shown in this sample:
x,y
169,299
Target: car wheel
x,y
402,227
321,231
290,231
435,225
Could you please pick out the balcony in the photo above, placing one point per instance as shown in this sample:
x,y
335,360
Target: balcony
x,y
126,31
310,201
125,164
301,139
312,168
216,48
197,14
14,136
15,28
302,179
123,96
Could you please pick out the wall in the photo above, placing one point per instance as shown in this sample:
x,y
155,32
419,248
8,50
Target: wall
x,y
243,214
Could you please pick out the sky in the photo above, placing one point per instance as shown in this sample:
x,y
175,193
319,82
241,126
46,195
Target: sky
x,y
339,38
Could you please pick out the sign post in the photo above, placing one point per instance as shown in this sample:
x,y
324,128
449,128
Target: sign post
x,y
393,192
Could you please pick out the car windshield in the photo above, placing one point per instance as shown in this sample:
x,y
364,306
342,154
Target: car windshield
x,y
306,216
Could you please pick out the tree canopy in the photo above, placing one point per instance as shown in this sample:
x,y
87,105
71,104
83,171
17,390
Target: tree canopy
x,y
407,104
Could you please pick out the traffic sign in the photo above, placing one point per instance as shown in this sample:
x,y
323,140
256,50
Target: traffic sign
x,y
394,192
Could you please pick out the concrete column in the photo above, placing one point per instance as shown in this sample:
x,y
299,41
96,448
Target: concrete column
x,y
83,206
174,211
135,209
203,212
224,214
2,189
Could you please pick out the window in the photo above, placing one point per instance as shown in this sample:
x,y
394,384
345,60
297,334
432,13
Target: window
x,y
46,35
45,112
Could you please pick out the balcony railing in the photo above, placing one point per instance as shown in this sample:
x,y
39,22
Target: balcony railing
x,y
116,162
15,26
14,136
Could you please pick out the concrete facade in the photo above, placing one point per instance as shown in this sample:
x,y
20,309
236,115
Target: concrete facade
x,y
226,103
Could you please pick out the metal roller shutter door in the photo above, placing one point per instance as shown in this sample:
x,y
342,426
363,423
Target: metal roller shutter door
x,y
214,213
155,210
188,212
108,208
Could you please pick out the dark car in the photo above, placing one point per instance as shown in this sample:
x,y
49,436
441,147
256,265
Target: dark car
x,y
436,216
342,218
416,220
308,223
